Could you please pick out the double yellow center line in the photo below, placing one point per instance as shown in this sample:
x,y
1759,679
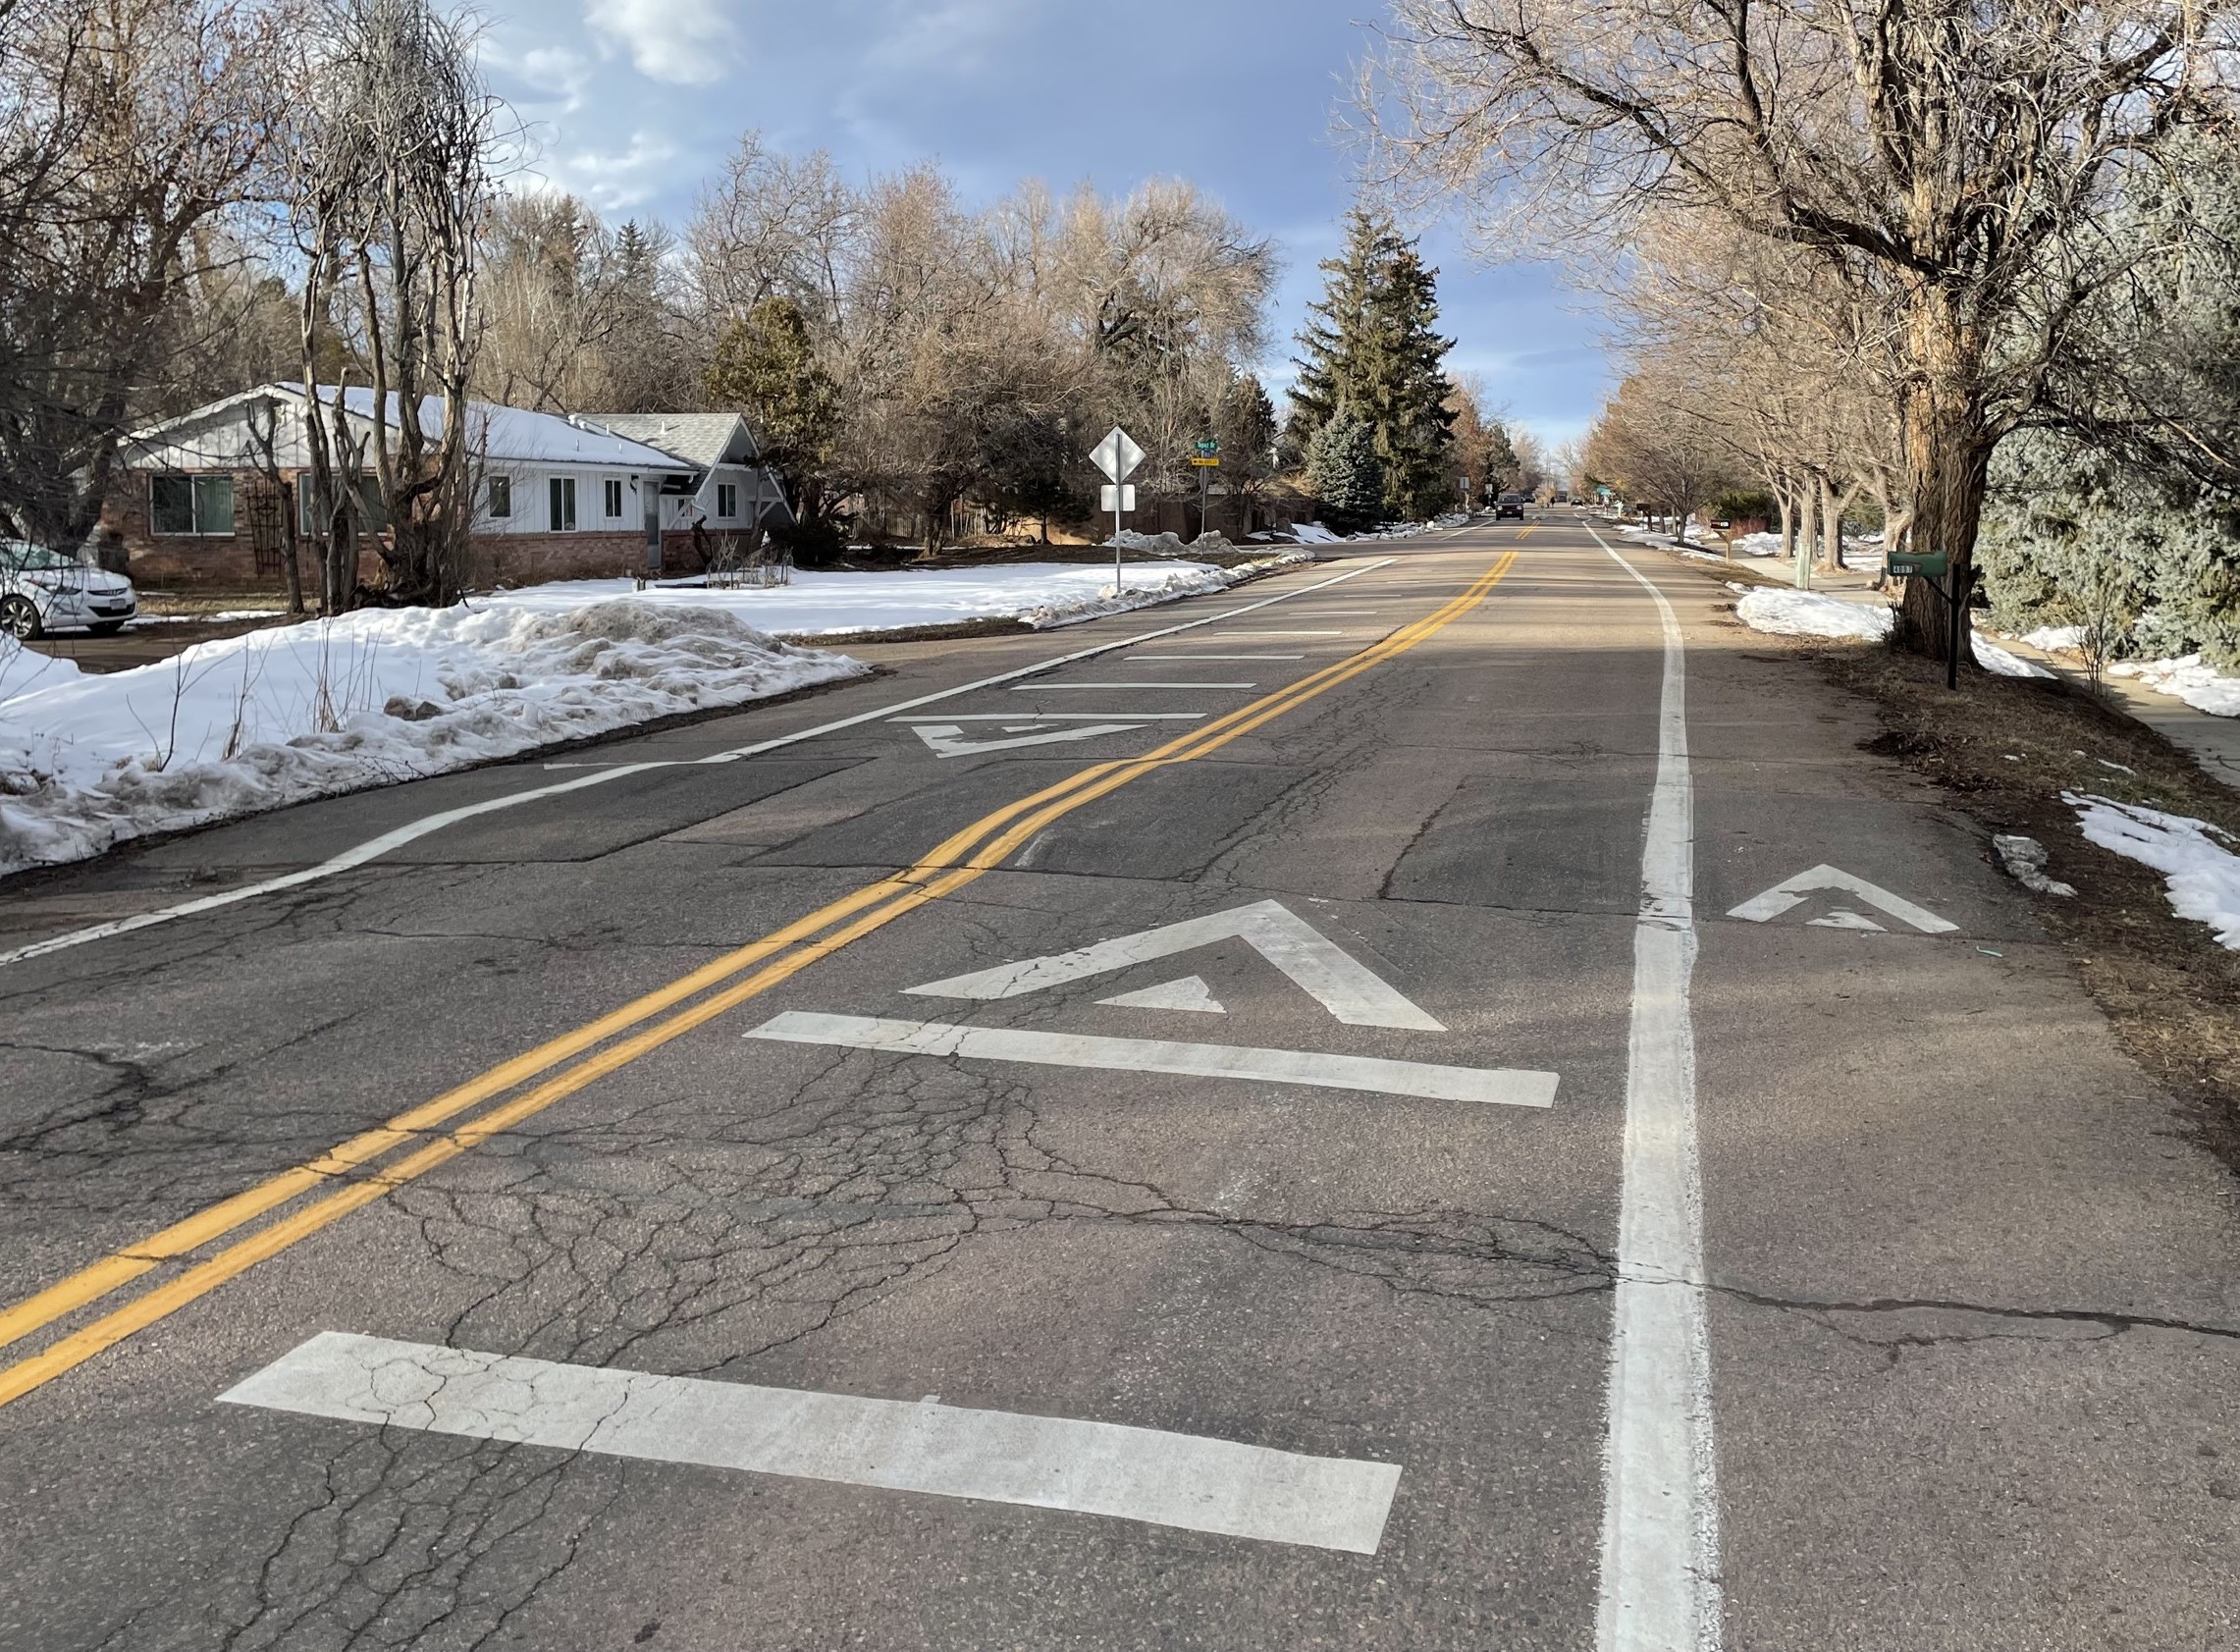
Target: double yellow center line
x,y
660,1016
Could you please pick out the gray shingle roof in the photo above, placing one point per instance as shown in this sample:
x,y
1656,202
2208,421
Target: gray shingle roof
x,y
698,439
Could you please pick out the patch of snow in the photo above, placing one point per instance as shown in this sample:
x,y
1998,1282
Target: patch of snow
x,y
828,604
2025,861
1315,533
246,723
23,670
1997,660
1811,613
2055,638
225,616
2203,875
2203,687
1758,545
1705,556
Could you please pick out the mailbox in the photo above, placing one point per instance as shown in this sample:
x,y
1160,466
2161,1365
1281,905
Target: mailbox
x,y
1935,564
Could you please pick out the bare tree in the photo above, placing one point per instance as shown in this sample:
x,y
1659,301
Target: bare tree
x,y
130,132
393,189
1956,158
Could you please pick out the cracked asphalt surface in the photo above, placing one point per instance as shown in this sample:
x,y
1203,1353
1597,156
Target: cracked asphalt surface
x,y
1975,1332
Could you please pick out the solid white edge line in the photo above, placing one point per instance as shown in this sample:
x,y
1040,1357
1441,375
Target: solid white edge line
x,y
1193,1483
1660,1587
375,847
1493,1087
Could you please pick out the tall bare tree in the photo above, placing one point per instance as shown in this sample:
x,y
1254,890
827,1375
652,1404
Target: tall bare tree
x,y
389,209
1955,155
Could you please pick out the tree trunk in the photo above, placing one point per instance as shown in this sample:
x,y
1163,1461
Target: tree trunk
x,y
1785,503
1948,446
1807,535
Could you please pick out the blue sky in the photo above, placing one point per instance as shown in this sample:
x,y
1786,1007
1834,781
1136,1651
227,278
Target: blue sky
x,y
635,101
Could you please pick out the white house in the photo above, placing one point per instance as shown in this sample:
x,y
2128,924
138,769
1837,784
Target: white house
x,y
734,490
220,495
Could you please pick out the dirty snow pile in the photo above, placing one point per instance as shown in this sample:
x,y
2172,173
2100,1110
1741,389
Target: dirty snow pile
x,y
832,605
2203,875
2203,687
1758,545
247,724
1813,614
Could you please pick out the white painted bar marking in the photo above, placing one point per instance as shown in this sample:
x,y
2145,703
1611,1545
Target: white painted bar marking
x,y
1499,1087
1182,1480
1660,1522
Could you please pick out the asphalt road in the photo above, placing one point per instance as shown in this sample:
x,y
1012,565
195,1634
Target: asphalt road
x,y
1316,1162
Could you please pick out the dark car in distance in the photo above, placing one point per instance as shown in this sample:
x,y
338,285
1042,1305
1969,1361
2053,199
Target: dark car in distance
x,y
1509,504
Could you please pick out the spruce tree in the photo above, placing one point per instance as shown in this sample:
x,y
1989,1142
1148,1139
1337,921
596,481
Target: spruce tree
x,y
1348,478
1371,346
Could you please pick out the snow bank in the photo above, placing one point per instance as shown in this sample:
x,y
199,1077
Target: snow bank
x,y
2203,875
2055,638
243,725
2203,687
1812,614
828,605
1758,545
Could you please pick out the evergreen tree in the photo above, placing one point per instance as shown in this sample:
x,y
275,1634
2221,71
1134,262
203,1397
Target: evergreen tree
x,y
766,368
1348,477
1370,346
2131,528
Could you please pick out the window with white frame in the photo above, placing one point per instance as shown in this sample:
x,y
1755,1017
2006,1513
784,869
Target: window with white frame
x,y
498,496
190,504
614,499
561,518
726,501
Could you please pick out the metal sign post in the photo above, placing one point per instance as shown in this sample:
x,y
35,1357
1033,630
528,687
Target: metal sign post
x,y
1117,455
1207,456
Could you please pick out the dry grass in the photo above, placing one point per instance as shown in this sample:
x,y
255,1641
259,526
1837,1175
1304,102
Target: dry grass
x,y
2003,749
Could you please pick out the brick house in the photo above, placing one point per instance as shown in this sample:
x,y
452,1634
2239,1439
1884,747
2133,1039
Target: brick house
x,y
222,496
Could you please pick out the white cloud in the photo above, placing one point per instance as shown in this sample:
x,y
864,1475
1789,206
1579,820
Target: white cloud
x,y
685,43
611,180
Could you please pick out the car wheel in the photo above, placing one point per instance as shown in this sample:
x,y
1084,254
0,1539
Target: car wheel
x,y
19,617
106,627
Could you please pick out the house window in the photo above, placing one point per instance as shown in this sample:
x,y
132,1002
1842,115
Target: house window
x,y
614,498
498,496
562,519
371,518
727,500
190,504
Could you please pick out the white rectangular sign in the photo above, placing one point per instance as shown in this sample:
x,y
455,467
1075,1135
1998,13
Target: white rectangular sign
x,y
1121,498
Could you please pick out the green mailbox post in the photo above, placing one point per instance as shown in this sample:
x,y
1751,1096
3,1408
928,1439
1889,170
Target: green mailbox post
x,y
1936,567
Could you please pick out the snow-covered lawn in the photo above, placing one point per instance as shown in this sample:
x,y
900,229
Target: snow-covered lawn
x,y
2203,687
2203,875
1814,613
830,604
247,724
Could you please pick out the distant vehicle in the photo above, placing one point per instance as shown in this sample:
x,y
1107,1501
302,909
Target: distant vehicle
x,y
1562,498
42,590
1509,504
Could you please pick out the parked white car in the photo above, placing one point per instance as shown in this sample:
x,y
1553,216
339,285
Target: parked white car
x,y
42,590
